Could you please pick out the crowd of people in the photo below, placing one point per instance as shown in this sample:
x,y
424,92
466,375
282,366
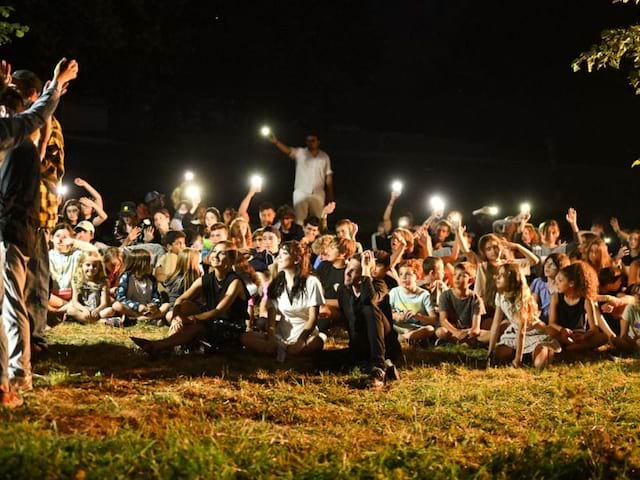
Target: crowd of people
x,y
283,283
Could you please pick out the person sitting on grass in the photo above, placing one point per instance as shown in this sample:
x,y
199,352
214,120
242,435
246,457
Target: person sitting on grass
x,y
526,333
434,279
221,321
137,296
413,313
90,301
573,315
114,266
297,295
544,286
63,261
166,264
461,309
187,271
629,338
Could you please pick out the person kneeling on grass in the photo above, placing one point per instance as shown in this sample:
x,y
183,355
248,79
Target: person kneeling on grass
x,y
222,321
137,296
461,310
526,333
297,295
413,312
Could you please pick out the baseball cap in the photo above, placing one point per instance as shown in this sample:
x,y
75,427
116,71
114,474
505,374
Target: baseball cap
x,y
85,225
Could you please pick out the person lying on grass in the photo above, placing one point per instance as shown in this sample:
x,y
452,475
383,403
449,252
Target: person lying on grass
x,y
526,334
574,318
137,296
461,309
222,320
297,295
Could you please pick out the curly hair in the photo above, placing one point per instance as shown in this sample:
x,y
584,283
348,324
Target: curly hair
x,y
584,278
301,259
406,234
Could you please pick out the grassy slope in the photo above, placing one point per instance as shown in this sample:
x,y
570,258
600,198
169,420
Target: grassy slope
x,y
103,411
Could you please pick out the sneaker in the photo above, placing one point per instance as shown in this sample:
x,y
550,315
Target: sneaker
x,y
116,322
391,372
9,398
22,384
376,379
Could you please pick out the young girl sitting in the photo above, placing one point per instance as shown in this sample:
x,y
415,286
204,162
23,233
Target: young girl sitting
x,y
137,295
114,266
542,287
187,271
90,300
573,314
526,333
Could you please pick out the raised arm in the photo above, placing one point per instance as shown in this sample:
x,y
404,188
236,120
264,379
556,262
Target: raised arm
x,y
243,209
615,225
101,214
97,198
329,185
386,216
280,146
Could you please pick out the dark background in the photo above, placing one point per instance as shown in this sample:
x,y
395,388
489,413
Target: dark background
x,y
473,100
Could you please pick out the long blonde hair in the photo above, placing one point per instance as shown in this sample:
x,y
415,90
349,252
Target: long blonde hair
x,y
518,294
187,267
236,236
78,275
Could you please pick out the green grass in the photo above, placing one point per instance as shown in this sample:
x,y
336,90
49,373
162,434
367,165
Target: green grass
x,y
102,410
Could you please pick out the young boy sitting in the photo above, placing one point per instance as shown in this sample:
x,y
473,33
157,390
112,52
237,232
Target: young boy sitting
x,y
166,264
461,309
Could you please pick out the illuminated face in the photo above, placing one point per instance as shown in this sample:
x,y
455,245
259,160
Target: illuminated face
x,y
552,234
267,217
258,244
550,269
343,231
442,233
84,236
562,282
161,221
502,281
270,242
90,269
72,212
492,250
311,232
527,236
218,258
86,210
438,271
594,253
312,142
634,241
177,246
197,244
209,219
60,239
352,273
460,279
285,260
379,271
396,241
218,235
287,223
113,265
407,278
332,253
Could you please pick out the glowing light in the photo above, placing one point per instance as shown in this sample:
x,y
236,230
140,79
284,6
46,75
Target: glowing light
x,y
396,186
62,190
265,131
256,181
525,207
403,222
607,240
189,176
493,210
437,203
456,218
192,192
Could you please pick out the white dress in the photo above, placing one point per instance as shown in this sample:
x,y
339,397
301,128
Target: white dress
x,y
533,337
294,314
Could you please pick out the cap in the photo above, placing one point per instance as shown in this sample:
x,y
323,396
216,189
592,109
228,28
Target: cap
x,y
85,225
151,196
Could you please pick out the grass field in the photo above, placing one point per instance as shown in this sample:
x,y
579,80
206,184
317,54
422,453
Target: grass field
x,y
102,410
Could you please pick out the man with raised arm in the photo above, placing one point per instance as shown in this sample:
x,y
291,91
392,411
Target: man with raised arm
x,y
313,174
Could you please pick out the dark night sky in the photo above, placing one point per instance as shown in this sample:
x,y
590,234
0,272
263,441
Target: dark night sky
x,y
456,73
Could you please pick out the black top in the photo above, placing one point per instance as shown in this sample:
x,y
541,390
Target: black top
x,y
20,197
571,316
295,233
214,290
331,278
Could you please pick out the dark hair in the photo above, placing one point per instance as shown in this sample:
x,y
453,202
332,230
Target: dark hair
x,y
219,226
467,267
429,264
72,202
12,99
266,206
312,220
163,211
584,278
285,211
192,232
172,236
27,80
271,229
382,258
215,211
560,260
609,275
138,263
279,283
62,226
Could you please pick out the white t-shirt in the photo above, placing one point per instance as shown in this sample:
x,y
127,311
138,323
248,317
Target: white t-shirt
x,y
295,314
311,172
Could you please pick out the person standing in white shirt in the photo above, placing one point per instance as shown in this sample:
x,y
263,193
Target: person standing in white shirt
x,y
313,175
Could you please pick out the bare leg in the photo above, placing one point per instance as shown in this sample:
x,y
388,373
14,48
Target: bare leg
x,y
313,344
504,354
258,342
542,356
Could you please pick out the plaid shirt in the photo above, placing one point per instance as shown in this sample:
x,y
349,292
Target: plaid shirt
x,y
52,170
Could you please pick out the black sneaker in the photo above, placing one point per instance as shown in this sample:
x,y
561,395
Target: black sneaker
x,y
376,379
391,372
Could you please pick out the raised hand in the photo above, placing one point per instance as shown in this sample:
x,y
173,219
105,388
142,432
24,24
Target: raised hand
x,y
80,182
5,72
65,71
572,216
328,209
614,224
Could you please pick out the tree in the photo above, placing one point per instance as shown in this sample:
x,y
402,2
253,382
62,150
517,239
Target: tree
x,y
9,29
617,45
